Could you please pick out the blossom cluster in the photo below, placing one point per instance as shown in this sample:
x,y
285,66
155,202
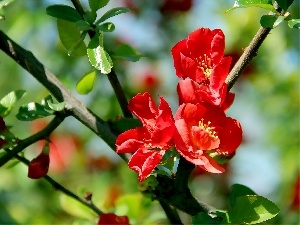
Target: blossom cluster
x,y
200,129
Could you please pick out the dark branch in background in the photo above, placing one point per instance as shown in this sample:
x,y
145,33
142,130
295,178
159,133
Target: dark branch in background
x,y
32,139
75,107
247,56
112,76
61,188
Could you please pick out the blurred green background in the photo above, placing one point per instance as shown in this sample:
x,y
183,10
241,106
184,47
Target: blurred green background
x,y
266,104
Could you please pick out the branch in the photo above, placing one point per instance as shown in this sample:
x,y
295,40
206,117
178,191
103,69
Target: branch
x,y
75,107
112,76
61,188
32,139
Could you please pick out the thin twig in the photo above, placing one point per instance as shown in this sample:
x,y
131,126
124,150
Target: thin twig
x,y
61,188
247,56
171,213
21,145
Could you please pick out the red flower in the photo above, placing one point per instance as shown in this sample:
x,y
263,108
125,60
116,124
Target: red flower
x,y
203,129
110,218
150,141
201,57
190,91
39,166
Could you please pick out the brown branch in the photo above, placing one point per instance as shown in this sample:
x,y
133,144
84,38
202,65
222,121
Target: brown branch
x,y
247,56
75,107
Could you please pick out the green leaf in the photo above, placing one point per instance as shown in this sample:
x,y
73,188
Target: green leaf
x,y
97,4
265,4
77,209
71,38
32,111
63,12
82,25
7,102
251,209
270,21
49,104
127,52
203,218
294,23
284,4
99,58
238,190
86,83
5,3
90,17
111,13
106,27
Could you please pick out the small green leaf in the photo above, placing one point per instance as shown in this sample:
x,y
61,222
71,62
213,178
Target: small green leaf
x,y
90,17
111,13
48,102
63,12
106,27
7,102
284,4
86,83
32,111
238,190
99,58
271,21
77,209
203,218
71,38
265,4
251,209
97,4
5,3
127,52
294,23
82,25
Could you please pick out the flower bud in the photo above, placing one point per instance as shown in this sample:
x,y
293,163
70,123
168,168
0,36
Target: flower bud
x,y
39,166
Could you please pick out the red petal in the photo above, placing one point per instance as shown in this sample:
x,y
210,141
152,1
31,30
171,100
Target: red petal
x,y
219,73
131,140
210,165
39,166
228,101
110,218
177,50
186,91
144,161
143,107
217,46
231,136
199,42
191,69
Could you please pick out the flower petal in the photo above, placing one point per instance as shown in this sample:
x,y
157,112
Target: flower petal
x,y
219,73
217,46
186,90
177,50
231,136
210,165
144,161
131,140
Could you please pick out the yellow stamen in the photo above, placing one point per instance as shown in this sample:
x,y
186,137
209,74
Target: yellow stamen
x,y
208,129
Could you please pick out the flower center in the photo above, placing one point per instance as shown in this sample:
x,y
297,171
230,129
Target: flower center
x,y
205,64
208,129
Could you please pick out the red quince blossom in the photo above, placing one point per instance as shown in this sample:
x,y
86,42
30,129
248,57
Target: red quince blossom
x,y
110,218
39,166
203,128
200,57
150,141
170,6
190,91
